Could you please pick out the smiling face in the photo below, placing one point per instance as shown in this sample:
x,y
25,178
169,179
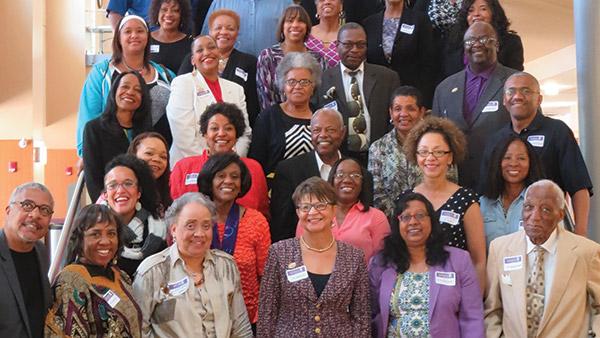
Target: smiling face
x,y
298,94
481,55
227,184
122,191
405,113
220,134
205,55
128,96
315,221
430,165
327,133
294,30
541,213
414,232
169,16
193,230
525,99
347,181
515,163
133,37
100,243
153,151
329,8
225,31
479,11
24,228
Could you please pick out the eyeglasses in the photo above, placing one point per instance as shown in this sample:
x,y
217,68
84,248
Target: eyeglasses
x,y
352,176
484,40
305,207
407,217
510,92
29,206
435,153
303,83
127,185
350,44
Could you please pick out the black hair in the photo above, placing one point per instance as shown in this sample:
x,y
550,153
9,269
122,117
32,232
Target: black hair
x,y
395,250
500,23
409,91
218,162
230,111
364,197
185,13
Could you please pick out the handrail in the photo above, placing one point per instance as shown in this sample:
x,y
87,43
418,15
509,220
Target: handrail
x,y
57,263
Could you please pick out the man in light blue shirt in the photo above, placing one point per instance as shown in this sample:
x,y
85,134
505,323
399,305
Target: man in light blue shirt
x,y
258,22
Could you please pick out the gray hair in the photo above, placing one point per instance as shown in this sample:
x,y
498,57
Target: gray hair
x,y
523,74
559,195
331,111
294,60
189,197
27,186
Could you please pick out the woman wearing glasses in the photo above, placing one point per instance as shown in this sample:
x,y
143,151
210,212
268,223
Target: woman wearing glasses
x,y
419,287
130,192
355,222
434,145
314,285
283,130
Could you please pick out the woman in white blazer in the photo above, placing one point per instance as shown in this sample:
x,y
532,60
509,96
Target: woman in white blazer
x,y
191,93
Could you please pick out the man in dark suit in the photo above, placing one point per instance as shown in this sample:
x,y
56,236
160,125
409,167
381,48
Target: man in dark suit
x,y
359,90
472,98
25,293
327,133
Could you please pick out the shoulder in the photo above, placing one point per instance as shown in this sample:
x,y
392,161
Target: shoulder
x,y
511,40
223,260
379,70
332,72
153,262
504,72
230,84
501,244
457,256
93,125
373,20
255,218
252,164
585,246
452,79
189,163
101,66
183,79
349,253
244,57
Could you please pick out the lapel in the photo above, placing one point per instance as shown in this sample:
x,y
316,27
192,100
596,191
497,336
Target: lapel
x,y
434,289
312,168
305,285
565,263
43,261
455,101
369,80
202,94
388,281
335,78
229,70
516,292
495,83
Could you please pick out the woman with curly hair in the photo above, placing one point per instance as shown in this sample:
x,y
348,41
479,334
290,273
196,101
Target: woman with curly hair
x,y
434,145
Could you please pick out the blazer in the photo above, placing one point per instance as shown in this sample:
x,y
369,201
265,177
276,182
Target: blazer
x,y
412,55
489,116
454,311
574,295
189,98
292,309
378,84
14,322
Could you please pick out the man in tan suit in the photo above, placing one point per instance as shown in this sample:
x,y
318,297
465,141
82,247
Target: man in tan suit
x,y
543,281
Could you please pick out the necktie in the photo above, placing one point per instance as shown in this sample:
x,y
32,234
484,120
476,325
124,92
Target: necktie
x,y
535,292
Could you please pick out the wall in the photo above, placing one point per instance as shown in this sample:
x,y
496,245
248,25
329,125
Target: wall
x,y
10,151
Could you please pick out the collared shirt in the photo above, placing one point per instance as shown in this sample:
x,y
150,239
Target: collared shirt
x,y
474,87
549,260
495,221
346,78
324,168
259,20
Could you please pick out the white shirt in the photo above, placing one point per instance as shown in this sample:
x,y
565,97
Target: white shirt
x,y
549,261
324,168
346,78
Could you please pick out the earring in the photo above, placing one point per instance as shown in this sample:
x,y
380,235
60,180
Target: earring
x,y
317,16
114,261
138,206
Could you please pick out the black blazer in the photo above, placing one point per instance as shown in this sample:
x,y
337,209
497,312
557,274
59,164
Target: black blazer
x,y
241,69
412,54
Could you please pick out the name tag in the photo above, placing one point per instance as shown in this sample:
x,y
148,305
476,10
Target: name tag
x,y
449,217
111,298
239,72
294,275
202,93
407,29
513,263
536,140
179,287
154,48
331,105
191,179
490,107
445,278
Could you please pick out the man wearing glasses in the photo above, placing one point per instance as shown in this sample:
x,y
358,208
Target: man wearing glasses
x,y
359,90
25,293
552,139
472,98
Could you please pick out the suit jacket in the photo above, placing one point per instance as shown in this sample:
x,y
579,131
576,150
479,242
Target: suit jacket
x,y
454,311
292,309
489,116
378,84
189,98
14,322
575,290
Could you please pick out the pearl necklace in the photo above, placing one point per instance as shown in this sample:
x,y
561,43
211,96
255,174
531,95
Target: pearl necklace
x,y
315,249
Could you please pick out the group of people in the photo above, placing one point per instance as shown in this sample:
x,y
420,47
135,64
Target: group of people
x,y
305,189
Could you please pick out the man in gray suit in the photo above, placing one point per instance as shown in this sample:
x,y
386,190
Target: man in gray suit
x,y
472,98
359,90
25,292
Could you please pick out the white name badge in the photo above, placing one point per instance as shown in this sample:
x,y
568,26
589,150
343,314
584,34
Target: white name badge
x,y
294,275
239,72
490,107
513,263
203,92
449,217
445,278
191,179
154,48
179,287
407,29
111,298
536,140
331,105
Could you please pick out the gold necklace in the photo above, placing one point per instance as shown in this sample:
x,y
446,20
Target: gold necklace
x,y
315,249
